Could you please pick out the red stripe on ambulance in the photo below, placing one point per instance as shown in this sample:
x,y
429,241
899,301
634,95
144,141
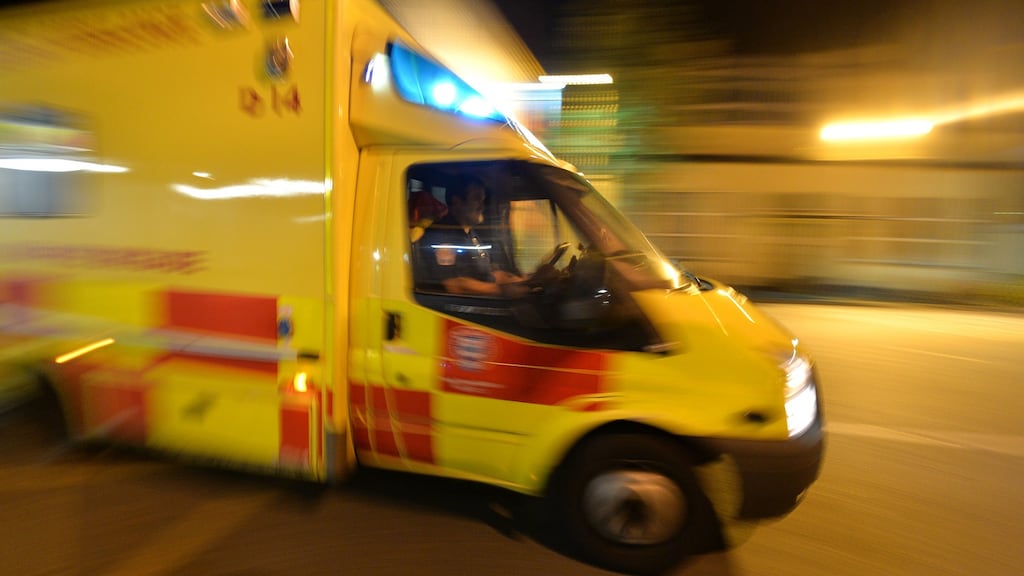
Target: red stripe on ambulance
x,y
295,431
479,363
379,419
413,410
391,422
301,429
21,291
226,314
107,402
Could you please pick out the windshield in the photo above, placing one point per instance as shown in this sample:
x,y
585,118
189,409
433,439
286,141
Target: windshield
x,y
597,225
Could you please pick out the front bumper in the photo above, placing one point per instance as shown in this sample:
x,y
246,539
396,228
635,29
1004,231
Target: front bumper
x,y
773,476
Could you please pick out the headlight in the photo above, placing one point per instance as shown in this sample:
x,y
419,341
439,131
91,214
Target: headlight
x,y
801,398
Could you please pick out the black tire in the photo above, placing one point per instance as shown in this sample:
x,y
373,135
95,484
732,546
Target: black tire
x,y
632,504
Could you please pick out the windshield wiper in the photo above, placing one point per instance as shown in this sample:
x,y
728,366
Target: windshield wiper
x,y
702,284
692,280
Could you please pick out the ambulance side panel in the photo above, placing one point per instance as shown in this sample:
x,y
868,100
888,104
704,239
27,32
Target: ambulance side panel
x,y
173,280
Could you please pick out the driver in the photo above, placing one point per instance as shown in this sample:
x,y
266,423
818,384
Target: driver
x,y
460,260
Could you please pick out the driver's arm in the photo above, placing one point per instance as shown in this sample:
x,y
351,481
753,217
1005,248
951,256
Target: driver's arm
x,y
509,288
503,277
464,285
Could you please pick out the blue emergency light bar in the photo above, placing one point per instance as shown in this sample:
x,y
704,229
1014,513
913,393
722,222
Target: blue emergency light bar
x,y
422,81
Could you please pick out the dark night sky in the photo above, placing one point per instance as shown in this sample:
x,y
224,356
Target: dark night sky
x,y
791,26
753,26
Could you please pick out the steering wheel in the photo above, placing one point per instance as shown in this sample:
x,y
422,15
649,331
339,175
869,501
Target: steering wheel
x,y
555,255
546,276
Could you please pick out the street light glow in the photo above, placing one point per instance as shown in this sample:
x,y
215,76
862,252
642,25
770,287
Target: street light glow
x,y
583,79
876,130
912,127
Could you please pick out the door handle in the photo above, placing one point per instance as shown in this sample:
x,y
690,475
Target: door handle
x,y
392,326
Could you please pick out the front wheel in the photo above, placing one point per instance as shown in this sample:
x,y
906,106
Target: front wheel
x,y
632,503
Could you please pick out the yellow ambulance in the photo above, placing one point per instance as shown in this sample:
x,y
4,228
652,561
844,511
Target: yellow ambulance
x,y
231,230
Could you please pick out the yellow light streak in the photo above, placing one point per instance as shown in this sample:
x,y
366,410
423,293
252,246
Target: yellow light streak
x,y
84,350
1005,105
876,130
911,127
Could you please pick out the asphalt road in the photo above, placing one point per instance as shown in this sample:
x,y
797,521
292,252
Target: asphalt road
x,y
922,476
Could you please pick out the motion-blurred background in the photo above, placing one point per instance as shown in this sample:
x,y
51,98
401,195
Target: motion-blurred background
x,y
867,149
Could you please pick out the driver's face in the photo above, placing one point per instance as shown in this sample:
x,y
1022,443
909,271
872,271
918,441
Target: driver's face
x,y
471,209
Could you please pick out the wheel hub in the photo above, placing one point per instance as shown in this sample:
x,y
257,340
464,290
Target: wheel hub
x,y
634,506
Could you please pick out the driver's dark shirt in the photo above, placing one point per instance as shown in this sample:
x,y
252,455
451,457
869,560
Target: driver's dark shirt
x,y
449,252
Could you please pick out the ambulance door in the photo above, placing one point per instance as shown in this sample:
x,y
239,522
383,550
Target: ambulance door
x,y
465,388
391,383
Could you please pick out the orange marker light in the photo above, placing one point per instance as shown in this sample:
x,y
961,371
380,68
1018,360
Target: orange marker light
x,y
299,383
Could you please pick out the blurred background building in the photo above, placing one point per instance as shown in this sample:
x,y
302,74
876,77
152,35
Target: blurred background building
x,y
716,146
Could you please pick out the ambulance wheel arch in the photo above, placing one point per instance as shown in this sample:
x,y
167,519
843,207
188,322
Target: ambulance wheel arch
x,y
628,499
45,403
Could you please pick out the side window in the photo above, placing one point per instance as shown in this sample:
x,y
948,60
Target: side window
x,y
41,194
45,164
497,244
461,241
